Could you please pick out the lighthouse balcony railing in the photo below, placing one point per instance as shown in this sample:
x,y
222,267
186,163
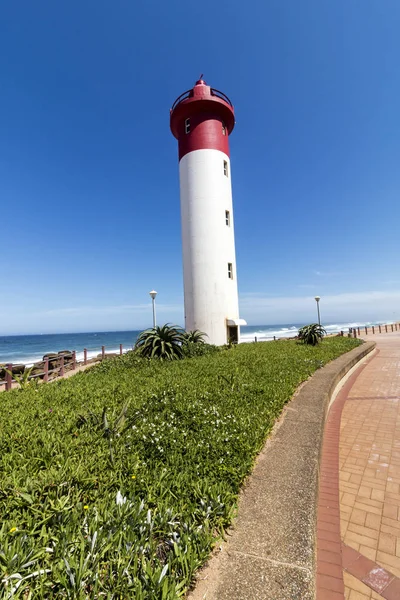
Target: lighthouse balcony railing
x,y
189,94
221,95
180,98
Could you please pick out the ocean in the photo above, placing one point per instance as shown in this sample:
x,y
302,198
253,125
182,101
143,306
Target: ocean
x,y
28,349
265,333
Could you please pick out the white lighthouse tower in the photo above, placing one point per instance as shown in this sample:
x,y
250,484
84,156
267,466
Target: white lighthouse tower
x,y
202,120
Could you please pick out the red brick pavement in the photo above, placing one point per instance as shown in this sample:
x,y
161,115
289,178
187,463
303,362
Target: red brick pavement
x,y
358,529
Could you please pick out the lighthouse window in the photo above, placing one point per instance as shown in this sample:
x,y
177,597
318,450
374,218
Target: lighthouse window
x,y
223,129
225,168
230,271
227,218
187,125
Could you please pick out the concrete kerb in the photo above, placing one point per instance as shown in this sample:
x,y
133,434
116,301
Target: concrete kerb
x,y
270,551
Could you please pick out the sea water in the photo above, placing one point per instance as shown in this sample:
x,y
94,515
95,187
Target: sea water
x,y
28,349
268,332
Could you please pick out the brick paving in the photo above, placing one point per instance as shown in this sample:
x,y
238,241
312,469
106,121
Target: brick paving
x,y
359,506
369,464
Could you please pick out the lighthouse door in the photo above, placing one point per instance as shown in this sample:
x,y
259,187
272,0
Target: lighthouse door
x,y
233,336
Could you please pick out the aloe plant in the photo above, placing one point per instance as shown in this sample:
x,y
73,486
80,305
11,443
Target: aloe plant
x,y
163,342
195,336
311,334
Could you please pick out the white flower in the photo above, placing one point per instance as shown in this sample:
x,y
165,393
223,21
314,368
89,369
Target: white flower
x,y
120,499
163,573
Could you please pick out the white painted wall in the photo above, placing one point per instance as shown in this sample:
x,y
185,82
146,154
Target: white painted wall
x,y
208,243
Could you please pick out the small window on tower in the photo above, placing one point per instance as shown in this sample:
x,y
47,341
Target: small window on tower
x,y
225,168
227,218
223,129
187,125
230,271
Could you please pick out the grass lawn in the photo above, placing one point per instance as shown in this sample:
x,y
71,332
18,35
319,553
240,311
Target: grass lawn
x,y
115,482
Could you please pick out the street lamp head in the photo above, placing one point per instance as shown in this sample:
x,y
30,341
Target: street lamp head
x,y
153,294
317,298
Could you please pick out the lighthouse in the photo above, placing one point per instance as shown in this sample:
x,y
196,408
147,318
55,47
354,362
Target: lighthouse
x,y
202,120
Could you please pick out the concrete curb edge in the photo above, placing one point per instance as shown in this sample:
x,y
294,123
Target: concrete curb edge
x,y
271,549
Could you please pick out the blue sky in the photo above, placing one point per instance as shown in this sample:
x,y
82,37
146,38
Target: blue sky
x,y
89,188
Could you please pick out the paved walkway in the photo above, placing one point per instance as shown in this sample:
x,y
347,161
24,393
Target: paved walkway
x,y
360,483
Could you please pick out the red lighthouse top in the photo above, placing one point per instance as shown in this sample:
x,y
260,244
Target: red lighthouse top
x,y
202,118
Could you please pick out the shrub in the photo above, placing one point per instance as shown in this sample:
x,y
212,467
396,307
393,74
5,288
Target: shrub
x,y
161,342
24,380
192,349
194,337
311,334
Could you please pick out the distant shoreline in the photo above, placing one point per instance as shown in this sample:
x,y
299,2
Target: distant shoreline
x,y
30,349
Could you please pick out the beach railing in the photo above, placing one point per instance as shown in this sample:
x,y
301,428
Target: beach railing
x,y
372,329
352,332
53,366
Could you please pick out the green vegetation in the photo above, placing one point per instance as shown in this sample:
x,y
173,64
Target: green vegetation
x,y
192,349
195,337
115,483
312,334
161,342
170,342
23,379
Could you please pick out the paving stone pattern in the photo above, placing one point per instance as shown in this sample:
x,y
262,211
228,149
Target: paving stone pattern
x,y
269,554
369,476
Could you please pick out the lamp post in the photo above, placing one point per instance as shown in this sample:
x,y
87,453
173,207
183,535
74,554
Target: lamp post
x,y
317,299
153,295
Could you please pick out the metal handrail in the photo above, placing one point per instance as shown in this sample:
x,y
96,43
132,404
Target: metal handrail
x,y
189,93
221,96
181,98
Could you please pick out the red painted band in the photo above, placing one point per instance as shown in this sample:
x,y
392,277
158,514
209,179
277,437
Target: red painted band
x,y
202,121
206,133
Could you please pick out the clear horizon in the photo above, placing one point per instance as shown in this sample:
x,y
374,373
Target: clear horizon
x,y
89,183
344,319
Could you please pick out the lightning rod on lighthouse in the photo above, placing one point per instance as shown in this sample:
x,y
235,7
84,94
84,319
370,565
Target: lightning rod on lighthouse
x,y
202,120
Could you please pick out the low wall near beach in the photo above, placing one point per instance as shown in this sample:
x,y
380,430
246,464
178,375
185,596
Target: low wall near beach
x,y
53,365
